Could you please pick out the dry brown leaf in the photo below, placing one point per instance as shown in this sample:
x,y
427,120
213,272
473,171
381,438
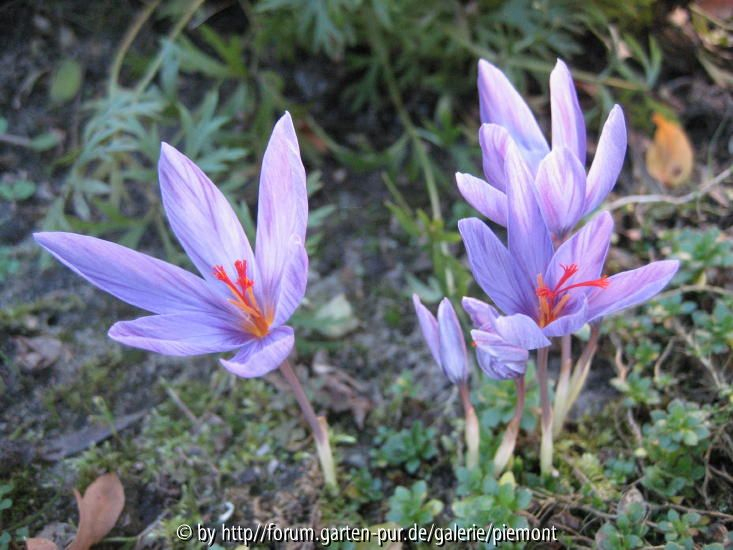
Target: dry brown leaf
x,y
38,543
38,353
721,9
99,509
669,158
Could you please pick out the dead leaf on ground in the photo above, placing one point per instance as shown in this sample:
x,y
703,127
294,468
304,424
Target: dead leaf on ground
x,y
38,353
38,543
343,392
99,509
670,157
71,443
721,9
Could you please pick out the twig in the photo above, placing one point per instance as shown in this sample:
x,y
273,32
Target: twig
x,y
634,426
663,358
127,40
573,504
10,139
726,517
705,361
722,473
670,199
181,405
172,35
695,288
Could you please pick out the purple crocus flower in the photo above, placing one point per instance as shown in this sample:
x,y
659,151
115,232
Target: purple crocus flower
x,y
566,196
244,298
444,338
561,289
502,342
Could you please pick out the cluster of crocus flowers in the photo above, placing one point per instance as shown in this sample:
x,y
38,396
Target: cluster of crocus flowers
x,y
243,298
502,344
545,272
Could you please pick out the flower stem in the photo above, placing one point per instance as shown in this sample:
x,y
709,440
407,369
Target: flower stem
x,y
508,442
318,425
546,444
563,382
472,427
582,368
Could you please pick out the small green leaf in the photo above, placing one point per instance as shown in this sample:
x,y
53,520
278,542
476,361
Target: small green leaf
x,y
18,190
45,141
66,81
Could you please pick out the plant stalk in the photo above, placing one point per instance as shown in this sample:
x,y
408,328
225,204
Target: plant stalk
x,y
546,444
472,427
509,441
582,368
563,382
318,425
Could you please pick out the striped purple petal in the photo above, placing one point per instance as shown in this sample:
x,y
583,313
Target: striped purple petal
x,y
453,356
428,326
492,267
630,288
560,191
260,356
180,334
501,104
568,124
133,277
282,210
488,200
608,160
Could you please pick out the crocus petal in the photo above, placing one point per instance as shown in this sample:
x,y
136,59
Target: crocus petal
x,y
492,267
494,140
497,347
530,244
500,103
521,331
608,160
282,208
481,313
429,327
453,357
568,125
179,334
574,316
135,278
560,190
587,249
294,281
260,356
496,369
630,288
201,217
488,200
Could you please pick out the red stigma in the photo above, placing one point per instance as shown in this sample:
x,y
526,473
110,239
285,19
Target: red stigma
x,y
244,297
550,306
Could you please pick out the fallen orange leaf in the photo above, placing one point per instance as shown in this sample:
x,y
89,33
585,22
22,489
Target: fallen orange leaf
x,y
99,509
38,543
669,158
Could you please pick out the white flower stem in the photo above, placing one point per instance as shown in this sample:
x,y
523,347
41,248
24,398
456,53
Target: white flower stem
x,y
509,441
472,427
546,421
582,367
318,425
563,385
